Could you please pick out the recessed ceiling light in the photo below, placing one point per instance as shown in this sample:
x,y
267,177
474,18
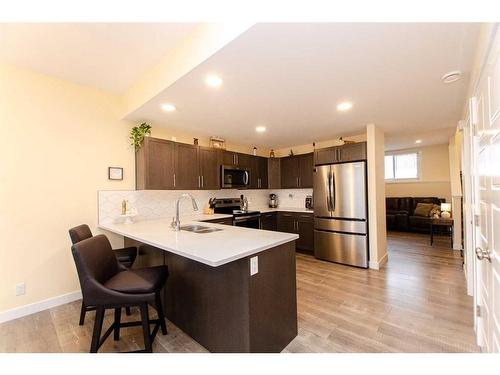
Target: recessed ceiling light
x,y
213,80
260,129
418,141
452,76
344,106
168,107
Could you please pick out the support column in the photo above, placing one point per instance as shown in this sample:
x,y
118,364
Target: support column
x,y
376,197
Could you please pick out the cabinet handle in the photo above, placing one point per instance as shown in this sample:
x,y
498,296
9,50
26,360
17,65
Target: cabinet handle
x,y
202,182
300,182
174,179
199,181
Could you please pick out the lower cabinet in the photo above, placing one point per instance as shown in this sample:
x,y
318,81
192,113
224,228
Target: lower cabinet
x,y
301,224
225,221
269,221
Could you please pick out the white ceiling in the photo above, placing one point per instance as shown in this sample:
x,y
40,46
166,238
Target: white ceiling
x,y
290,76
109,56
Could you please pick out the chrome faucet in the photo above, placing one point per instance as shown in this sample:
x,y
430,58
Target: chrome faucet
x,y
176,222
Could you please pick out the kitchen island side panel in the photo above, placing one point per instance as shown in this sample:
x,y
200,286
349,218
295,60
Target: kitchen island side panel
x,y
224,308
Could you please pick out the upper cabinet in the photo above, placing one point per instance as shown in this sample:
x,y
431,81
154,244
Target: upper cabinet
x,y
154,165
340,154
187,176
297,171
166,165
209,161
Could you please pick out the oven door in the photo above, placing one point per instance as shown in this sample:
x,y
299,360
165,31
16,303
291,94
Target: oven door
x,y
234,177
247,221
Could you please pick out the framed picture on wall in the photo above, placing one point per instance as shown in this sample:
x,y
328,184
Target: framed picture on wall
x,y
115,173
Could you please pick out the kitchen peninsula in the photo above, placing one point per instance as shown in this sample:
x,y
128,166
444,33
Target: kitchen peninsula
x,y
232,289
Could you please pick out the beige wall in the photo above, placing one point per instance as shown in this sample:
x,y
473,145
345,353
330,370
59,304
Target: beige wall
x,y
58,140
435,176
306,148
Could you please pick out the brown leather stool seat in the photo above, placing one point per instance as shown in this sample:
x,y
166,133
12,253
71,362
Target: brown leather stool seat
x,y
107,284
125,256
142,280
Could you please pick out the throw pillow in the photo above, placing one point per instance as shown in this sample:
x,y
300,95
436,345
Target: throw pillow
x,y
423,209
435,212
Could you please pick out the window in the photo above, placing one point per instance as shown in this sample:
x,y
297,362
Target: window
x,y
402,166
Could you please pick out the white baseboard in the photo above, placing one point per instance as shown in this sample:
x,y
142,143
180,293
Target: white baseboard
x,y
375,265
32,308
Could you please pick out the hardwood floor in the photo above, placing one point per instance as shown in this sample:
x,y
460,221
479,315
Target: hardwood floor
x,y
416,303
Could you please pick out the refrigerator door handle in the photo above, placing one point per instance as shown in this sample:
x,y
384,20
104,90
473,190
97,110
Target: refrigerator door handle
x,y
333,198
328,196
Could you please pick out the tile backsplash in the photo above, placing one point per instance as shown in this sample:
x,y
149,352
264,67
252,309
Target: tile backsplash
x,y
157,204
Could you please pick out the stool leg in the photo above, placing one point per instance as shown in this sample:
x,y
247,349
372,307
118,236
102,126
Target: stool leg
x,y
145,328
127,311
118,315
96,336
161,315
83,310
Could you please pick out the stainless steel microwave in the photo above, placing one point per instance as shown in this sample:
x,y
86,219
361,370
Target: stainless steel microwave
x,y
234,177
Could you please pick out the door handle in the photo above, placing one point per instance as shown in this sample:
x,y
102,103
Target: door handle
x,y
328,190
332,192
483,254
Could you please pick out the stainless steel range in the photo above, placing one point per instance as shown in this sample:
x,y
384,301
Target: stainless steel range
x,y
241,217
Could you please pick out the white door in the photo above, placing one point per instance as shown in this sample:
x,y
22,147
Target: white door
x,y
486,171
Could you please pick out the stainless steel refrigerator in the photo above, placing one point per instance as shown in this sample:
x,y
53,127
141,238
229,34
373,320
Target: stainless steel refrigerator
x,y
340,213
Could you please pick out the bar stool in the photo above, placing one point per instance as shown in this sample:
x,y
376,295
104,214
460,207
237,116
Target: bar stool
x,y
125,256
106,284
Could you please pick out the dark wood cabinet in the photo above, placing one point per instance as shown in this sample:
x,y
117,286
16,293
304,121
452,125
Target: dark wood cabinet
x,y
297,171
244,160
301,224
306,166
341,154
229,158
209,168
353,152
289,172
187,175
305,230
258,173
154,165
225,221
274,173
286,222
269,221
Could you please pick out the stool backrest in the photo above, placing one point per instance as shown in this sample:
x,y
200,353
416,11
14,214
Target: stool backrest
x,y
80,233
94,260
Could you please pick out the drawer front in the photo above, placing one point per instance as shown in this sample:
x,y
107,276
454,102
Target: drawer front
x,y
342,248
348,226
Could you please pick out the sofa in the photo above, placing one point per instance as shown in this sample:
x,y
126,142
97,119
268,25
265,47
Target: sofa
x,y
400,213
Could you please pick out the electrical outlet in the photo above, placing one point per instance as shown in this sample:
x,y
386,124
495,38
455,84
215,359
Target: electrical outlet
x,y
20,289
254,265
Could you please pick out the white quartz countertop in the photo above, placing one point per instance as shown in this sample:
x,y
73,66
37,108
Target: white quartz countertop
x,y
282,209
214,249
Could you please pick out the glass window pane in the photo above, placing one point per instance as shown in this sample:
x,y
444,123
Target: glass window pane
x,y
389,167
406,166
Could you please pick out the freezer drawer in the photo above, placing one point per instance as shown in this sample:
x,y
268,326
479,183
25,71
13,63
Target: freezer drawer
x,y
350,226
350,249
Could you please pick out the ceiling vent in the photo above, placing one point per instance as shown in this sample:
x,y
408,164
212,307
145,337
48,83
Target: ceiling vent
x,y
452,76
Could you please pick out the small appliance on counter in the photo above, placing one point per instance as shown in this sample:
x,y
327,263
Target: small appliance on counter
x,y
309,202
273,201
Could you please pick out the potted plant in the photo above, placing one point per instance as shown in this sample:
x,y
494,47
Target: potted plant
x,y
138,133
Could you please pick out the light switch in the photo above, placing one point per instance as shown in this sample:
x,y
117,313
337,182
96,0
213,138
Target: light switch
x,y
254,265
